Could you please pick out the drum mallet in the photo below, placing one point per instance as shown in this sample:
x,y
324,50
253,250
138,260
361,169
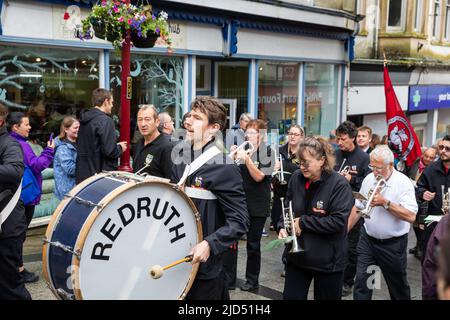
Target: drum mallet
x,y
156,271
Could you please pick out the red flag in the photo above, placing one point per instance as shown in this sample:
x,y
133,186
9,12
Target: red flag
x,y
400,132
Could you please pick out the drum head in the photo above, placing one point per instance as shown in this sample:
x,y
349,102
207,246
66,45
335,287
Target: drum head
x,y
140,226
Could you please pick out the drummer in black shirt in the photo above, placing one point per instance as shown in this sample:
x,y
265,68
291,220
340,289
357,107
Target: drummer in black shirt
x,y
256,169
153,150
222,207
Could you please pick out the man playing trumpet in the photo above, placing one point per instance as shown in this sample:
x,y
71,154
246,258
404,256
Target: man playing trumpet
x,y
352,163
384,237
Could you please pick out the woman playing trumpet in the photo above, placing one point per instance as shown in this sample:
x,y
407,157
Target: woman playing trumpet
x,y
288,153
256,169
321,202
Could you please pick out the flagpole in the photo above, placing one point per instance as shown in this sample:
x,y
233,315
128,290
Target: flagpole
x,y
385,60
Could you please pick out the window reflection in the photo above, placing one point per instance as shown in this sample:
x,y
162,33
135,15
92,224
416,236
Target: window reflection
x,y
46,83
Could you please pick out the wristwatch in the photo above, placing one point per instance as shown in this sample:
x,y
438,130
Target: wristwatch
x,y
387,205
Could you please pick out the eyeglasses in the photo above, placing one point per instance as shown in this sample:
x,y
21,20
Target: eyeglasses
x,y
376,168
295,134
304,164
442,147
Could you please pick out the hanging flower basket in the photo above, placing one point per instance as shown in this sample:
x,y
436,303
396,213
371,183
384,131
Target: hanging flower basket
x,y
141,42
111,20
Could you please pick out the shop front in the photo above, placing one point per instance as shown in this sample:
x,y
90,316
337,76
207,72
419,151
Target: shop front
x,y
281,71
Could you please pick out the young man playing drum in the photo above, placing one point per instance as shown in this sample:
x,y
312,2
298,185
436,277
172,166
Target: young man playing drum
x,y
220,198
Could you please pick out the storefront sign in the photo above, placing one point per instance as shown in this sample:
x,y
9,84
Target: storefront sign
x,y
428,97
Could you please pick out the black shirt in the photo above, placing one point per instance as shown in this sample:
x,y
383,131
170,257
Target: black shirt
x,y
432,178
323,236
258,193
157,153
11,172
357,160
225,219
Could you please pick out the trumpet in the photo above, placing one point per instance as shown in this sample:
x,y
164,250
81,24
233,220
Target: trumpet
x,y
289,226
282,181
241,147
445,200
379,187
342,169
345,170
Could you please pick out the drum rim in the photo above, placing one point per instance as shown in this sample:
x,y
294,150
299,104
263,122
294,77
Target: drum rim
x,y
84,231
54,220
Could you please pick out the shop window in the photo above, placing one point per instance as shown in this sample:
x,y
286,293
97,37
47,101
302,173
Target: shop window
x,y
47,84
321,103
277,96
156,80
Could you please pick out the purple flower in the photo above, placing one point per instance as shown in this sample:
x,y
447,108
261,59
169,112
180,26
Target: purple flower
x,y
153,17
157,30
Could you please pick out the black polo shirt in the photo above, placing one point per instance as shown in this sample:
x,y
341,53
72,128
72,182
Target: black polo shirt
x,y
258,193
358,160
157,153
432,179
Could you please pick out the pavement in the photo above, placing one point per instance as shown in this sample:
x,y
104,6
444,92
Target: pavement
x,y
271,282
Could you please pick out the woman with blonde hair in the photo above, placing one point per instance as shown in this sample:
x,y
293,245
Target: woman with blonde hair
x,y
321,203
64,163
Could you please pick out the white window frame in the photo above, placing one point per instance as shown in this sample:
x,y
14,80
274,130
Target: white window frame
x,y
436,24
447,21
207,64
418,17
402,18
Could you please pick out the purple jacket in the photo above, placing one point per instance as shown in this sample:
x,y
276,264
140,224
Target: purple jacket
x,y
430,264
36,164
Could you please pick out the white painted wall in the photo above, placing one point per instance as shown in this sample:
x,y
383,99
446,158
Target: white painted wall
x,y
371,99
274,11
377,122
275,44
27,19
45,21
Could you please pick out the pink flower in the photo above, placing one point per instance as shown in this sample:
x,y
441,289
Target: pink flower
x,y
116,10
120,19
129,21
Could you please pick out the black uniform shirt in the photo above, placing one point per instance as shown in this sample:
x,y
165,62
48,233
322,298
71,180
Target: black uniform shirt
x,y
357,160
432,178
323,236
225,219
157,153
258,193
290,161
11,172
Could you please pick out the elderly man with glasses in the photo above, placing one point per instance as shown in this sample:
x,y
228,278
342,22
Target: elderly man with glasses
x,y
384,236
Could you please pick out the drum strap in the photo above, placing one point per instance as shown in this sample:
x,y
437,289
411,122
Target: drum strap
x,y
198,163
198,193
11,205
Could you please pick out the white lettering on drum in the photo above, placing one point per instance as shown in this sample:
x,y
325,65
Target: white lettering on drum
x,y
128,213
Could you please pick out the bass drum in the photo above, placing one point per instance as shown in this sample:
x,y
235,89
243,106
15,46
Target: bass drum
x,y
111,229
